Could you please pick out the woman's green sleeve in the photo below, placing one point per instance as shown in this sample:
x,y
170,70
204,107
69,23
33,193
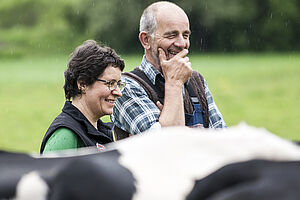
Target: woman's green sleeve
x,y
61,139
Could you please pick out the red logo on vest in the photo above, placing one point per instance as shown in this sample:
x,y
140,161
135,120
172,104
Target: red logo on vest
x,y
100,147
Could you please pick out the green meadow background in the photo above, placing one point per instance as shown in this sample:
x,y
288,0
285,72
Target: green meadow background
x,y
262,90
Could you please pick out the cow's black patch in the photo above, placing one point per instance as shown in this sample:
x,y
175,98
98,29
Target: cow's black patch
x,y
251,180
12,167
93,176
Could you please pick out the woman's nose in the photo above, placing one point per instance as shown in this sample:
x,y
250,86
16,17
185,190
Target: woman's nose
x,y
117,92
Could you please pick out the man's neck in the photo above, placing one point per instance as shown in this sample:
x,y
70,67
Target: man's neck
x,y
151,60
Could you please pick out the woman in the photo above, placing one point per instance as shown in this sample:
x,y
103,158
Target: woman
x,y
93,83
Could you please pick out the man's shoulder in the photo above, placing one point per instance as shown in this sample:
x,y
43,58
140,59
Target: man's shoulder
x,y
129,80
197,74
132,89
197,78
131,83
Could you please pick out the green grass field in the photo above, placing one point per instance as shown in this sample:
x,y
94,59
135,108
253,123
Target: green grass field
x,y
261,89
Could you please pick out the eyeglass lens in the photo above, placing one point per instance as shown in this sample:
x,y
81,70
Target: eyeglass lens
x,y
112,85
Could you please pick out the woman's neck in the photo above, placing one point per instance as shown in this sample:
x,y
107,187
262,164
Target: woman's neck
x,y
84,109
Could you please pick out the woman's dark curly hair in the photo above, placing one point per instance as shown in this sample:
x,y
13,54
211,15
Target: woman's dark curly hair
x,y
87,63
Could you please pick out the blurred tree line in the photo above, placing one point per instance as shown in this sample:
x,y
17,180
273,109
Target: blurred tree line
x,y
54,26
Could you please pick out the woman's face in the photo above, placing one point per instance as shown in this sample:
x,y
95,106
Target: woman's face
x,y
98,98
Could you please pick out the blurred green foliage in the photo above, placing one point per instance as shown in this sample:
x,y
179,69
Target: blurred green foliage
x,y
53,26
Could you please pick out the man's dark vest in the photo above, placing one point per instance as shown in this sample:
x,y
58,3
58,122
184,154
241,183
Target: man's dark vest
x,y
194,88
74,120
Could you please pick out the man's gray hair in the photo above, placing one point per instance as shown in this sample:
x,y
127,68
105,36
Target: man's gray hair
x,y
148,20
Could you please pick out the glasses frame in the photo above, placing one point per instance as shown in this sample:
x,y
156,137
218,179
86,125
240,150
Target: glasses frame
x,y
111,84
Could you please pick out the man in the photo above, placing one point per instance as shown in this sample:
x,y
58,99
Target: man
x,y
184,98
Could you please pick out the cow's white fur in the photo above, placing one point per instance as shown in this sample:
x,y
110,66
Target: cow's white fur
x,y
31,187
171,159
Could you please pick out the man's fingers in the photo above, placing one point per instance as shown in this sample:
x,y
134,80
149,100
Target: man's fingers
x,y
190,66
186,59
187,62
182,53
159,105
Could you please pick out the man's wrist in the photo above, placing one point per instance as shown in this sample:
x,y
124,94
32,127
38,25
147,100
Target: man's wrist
x,y
174,85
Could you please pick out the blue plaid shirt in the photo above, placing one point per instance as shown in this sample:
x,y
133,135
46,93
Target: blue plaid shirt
x,y
134,112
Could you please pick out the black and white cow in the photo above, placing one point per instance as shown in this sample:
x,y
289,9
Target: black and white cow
x,y
240,162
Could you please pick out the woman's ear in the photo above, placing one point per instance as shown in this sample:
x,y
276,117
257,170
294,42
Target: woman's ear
x,y
81,87
145,40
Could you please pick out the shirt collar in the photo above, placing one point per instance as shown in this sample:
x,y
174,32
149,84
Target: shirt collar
x,y
150,71
104,129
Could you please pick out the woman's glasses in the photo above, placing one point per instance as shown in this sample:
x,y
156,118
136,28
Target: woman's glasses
x,y
112,85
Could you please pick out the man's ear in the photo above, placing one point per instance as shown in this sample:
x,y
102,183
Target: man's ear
x,y
145,40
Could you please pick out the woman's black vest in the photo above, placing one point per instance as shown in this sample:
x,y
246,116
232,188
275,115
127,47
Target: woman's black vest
x,y
73,119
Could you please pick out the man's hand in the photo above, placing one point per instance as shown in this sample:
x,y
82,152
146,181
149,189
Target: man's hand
x,y
159,105
176,70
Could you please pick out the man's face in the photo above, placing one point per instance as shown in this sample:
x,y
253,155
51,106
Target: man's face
x,y
172,34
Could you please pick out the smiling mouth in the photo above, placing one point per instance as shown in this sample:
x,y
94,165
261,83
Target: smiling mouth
x,y
173,53
110,101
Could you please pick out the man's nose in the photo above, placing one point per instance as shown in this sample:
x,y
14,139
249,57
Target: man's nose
x,y
181,42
